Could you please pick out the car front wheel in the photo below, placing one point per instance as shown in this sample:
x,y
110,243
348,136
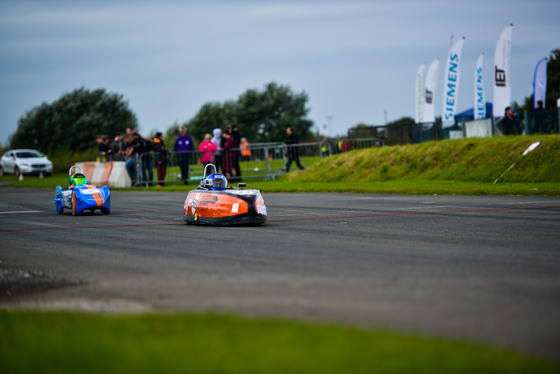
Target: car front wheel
x,y
16,170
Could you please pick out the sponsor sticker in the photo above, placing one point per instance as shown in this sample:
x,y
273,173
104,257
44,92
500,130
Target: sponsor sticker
x,y
235,208
195,203
261,209
89,192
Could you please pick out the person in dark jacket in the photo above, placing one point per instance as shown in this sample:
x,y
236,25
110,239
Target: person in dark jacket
x,y
160,158
183,146
104,149
236,153
292,152
116,147
228,161
510,126
135,147
147,162
539,115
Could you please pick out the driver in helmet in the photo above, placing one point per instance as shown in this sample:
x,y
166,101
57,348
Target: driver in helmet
x,y
77,179
218,181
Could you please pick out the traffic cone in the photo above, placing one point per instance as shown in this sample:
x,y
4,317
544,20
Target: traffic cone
x,y
41,174
20,176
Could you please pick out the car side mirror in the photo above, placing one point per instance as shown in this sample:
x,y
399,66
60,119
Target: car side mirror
x,y
242,185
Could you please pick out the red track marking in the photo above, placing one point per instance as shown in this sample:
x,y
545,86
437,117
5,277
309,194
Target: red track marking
x,y
294,218
412,213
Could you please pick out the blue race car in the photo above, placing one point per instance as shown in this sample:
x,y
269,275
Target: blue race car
x,y
81,196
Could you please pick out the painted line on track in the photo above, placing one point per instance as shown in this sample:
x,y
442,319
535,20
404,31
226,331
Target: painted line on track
x,y
21,212
382,214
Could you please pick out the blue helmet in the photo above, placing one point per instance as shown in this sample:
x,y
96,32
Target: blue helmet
x,y
218,181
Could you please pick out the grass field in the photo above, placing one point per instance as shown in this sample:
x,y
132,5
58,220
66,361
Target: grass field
x,y
64,342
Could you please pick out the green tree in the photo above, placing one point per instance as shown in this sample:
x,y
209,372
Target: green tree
x,y
362,130
209,117
261,116
72,122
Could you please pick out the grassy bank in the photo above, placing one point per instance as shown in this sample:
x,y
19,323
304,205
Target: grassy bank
x,y
464,160
64,342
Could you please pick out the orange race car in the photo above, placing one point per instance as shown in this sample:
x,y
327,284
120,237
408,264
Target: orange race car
x,y
214,203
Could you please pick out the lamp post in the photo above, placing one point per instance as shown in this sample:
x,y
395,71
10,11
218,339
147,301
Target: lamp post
x,y
329,118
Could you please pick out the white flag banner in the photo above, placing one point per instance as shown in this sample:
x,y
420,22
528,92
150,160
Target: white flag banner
x,y
419,95
451,83
502,78
479,99
429,92
539,83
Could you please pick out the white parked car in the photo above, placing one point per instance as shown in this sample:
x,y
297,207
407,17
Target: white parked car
x,y
26,161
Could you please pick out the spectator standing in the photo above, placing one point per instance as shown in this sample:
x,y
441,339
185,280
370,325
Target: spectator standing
x,y
245,150
102,147
147,162
338,147
325,147
292,152
135,147
160,156
217,140
509,123
228,162
539,118
236,152
116,146
183,146
108,149
207,149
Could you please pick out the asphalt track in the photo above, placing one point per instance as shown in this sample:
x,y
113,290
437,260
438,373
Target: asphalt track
x,y
482,268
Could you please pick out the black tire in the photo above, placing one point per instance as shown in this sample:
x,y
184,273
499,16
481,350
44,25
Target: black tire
x,y
16,170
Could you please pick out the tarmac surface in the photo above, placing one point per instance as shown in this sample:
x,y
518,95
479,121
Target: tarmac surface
x,y
481,268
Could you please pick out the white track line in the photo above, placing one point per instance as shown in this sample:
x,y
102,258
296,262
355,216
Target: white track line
x,y
21,212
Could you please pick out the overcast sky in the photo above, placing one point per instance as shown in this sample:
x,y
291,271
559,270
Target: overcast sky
x,y
354,59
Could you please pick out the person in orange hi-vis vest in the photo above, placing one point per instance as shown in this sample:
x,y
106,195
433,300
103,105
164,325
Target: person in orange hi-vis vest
x,y
245,149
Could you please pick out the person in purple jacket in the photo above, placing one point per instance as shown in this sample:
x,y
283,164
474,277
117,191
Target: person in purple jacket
x,y
183,146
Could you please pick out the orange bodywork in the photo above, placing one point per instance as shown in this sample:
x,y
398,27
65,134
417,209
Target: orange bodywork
x,y
224,207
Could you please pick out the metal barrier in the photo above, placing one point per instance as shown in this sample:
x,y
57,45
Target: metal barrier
x,y
266,161
543,122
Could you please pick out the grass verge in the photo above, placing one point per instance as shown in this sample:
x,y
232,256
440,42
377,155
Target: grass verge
x,y
69,342
411,187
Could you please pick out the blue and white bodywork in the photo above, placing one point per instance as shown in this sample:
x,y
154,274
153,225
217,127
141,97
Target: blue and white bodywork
x,y
81,196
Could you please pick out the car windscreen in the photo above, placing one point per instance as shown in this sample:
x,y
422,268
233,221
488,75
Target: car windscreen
x,y
27,154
